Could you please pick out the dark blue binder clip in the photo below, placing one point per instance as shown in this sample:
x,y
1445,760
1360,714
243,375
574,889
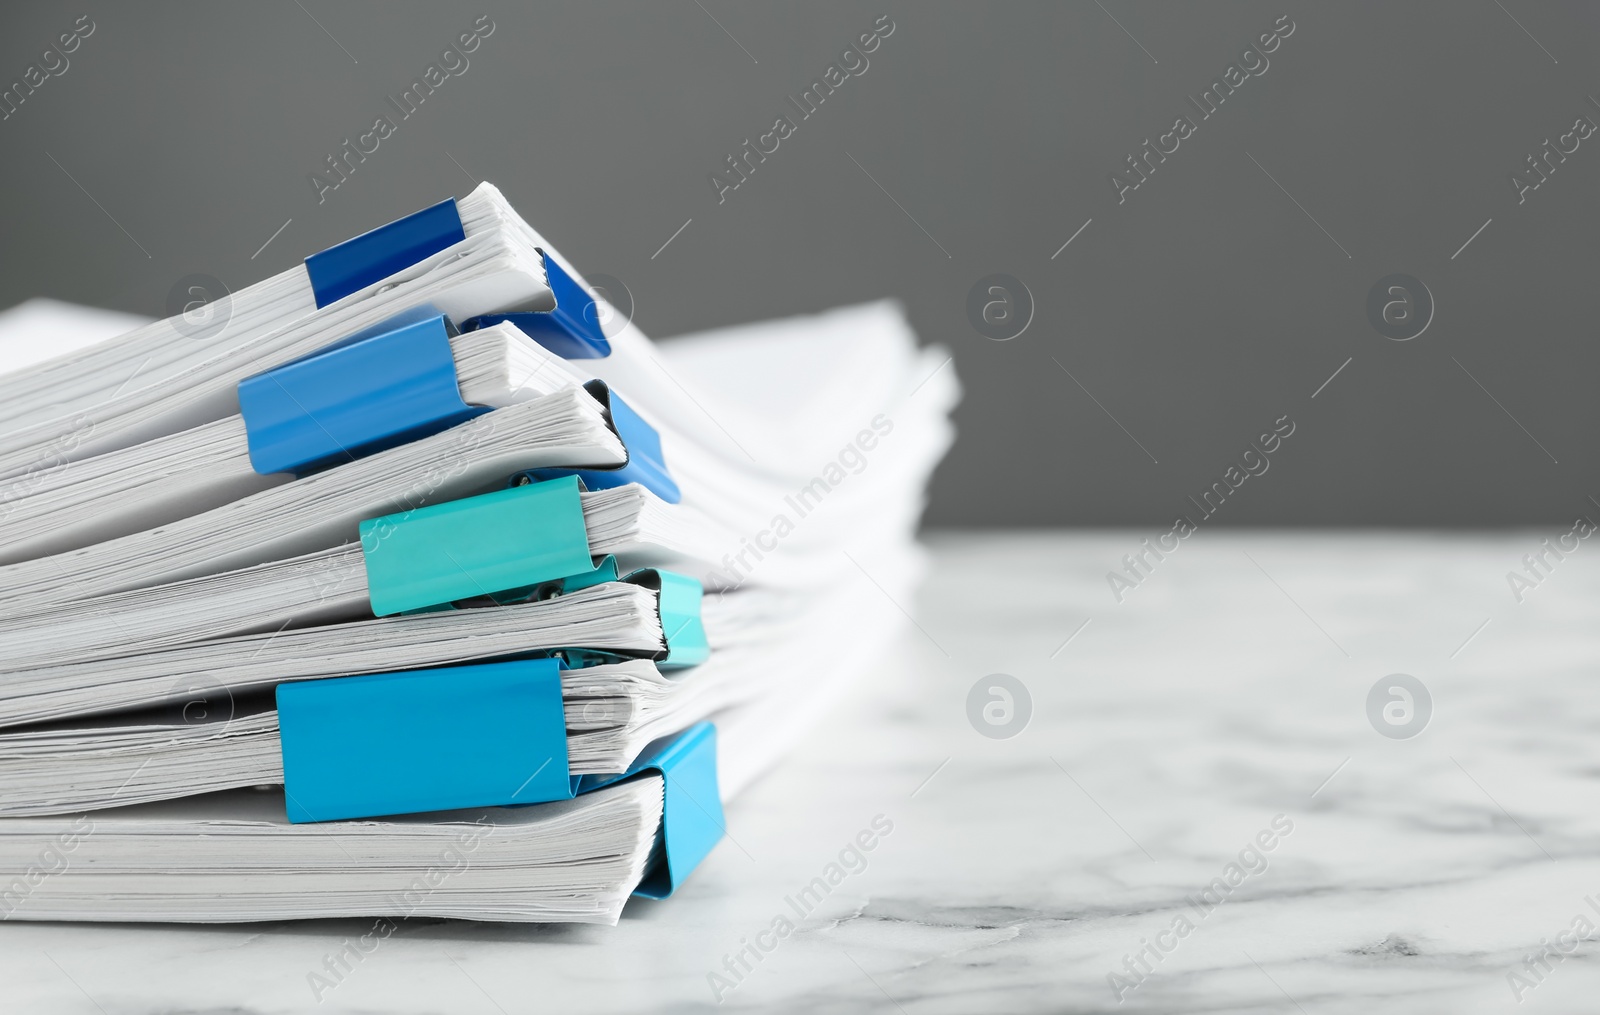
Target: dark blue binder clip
x,y
571,329
388,385
645,465
373,256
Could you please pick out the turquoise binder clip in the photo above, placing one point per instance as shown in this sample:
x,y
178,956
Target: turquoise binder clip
x,y
370,392
681,626
571,329
427,740
373,256
678,602
476,546
605,571
645,465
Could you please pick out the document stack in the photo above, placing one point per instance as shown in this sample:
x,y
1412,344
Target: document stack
x,y
415,580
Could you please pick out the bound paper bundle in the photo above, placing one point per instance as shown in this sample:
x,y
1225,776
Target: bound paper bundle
x,y
416,580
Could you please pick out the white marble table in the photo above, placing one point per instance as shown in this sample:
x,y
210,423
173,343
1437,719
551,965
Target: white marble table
x,y
1229,689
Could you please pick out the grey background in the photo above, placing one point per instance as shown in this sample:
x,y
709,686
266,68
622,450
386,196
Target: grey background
x,y
1196,313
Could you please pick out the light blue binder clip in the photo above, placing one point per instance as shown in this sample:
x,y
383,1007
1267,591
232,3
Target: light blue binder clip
x,y
476,736
387,386
492,735
645,465
692,821
426,740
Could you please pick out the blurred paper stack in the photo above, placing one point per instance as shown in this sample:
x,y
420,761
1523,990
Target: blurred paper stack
x,y
416,580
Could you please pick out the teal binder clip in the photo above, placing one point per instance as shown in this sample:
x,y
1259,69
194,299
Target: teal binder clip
x,y
685,632
475,546
427,740
367,393
605,571
571,329
375,255
678,602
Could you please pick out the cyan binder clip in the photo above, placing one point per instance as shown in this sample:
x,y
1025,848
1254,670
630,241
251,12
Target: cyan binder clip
x,y
692,821
426,740
380,388
476,546
489,735
571,329
645,465
373,256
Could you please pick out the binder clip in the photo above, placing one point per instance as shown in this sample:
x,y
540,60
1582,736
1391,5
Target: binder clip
x,y
356,263
679,598
487,735
475,546
678,601
394,383
692,822
645,464
571,329
377,389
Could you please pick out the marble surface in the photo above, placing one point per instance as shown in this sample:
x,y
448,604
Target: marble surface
x,y
1227,693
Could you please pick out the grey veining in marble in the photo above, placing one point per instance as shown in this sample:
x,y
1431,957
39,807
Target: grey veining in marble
x,y
1227,690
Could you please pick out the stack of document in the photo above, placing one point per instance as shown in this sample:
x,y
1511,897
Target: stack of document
x,y
415,580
